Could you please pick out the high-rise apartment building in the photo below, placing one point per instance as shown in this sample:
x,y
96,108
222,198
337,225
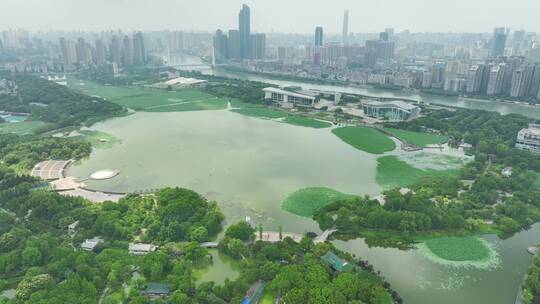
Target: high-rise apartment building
x,y
69,54
521,81
234,44
258,46
221,46
176,41
116,50
139,50
127,51
244,28
101,52
496,80
477,78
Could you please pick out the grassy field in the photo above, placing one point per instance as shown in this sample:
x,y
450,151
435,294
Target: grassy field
x,y
466,251
365,139
267,298
98,139
154,100
306,122
22,127
254,110
305,202
392,173
418,138
261,112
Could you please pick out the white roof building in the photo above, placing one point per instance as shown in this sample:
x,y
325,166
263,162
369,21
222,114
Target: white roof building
x,y
141,249
184,81
90,244
529,139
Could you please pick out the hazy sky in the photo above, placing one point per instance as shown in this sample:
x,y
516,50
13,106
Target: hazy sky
x,y
298,16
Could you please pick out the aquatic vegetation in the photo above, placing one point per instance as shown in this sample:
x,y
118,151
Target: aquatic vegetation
x,y
305,202
365,139
454,251
98,139
393,172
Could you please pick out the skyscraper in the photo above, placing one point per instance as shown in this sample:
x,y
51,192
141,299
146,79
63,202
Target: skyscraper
x,y
244,29
139,51
318,36
499,42
345,26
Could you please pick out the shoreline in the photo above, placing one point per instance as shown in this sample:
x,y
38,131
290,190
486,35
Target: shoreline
x,y
346,84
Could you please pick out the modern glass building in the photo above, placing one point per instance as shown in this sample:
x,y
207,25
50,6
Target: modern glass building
x,y
390,110
302,98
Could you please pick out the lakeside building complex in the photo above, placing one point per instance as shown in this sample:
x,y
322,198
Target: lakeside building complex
x,y
391,110
298,97
529,139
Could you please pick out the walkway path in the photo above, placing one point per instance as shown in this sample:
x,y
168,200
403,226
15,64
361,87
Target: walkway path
x,y
273,236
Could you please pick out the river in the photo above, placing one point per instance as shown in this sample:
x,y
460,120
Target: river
x,y
468,103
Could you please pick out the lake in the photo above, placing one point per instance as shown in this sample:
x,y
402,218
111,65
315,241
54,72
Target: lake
x,y
250,165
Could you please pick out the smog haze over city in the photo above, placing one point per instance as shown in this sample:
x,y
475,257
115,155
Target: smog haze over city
x,y
297,16
269,152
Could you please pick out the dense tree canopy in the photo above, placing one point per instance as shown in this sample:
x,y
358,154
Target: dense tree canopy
x,y
56,104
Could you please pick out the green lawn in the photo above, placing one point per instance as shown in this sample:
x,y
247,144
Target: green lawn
x,y
365,139
154,100
267,298
418,138
393,172
21,128
306,122
261,112
460,249
306,201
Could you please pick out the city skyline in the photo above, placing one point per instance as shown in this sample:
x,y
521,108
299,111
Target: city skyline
x,y
415,15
